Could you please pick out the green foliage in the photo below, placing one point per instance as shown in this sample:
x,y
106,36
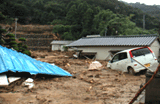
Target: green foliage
x,y
12,38
65,48
1,42
2,30
74,19
13,42
72,15
25,46
10,35
5,19
22,39
45,11
58,29
152,10
14,46
103,20
57,22
19,44
2,16
10,42
67,36
27,52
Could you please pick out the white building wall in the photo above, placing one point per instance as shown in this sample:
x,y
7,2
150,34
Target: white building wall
x,y
155,48
56,47
103,52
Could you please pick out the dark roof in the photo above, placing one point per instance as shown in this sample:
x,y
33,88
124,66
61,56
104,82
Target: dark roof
x,y
116,41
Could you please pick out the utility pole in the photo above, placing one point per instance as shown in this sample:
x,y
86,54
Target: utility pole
x,y
16,19
143,22
105,31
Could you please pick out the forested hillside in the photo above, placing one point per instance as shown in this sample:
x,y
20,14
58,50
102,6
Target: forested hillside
x,y
158,6
74,19
152,10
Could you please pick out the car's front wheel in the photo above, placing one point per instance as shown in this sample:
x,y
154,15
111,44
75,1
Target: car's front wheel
x,y
131,71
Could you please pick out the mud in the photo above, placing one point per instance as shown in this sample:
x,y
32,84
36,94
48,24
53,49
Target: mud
x,y
102,86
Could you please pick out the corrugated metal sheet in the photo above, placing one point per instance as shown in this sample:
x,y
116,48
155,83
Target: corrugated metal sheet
x,y
14,61
115,41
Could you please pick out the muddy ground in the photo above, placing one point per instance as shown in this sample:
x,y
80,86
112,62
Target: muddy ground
x,y
101,86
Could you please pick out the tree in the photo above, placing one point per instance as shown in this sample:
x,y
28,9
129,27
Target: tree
x,y
103,20
1,35
10,42
72,16
2,17
67,36
87,22
22,47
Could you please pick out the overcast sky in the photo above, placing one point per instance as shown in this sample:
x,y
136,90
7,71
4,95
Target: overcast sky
x,y
147,2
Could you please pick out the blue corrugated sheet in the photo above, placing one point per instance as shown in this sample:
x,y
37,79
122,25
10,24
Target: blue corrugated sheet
x,y
115,41
14,61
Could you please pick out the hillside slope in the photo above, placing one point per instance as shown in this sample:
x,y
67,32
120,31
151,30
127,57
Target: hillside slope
x,y
152,10
78,18
38,37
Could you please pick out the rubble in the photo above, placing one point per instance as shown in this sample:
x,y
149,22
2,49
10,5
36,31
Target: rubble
x,y
12,79
95,65
3,80
102,86
29,82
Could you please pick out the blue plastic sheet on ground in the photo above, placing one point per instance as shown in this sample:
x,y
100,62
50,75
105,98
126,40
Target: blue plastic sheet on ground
x,y
14,61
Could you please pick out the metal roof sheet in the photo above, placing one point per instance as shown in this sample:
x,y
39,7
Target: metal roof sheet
x,y
17,62
115,41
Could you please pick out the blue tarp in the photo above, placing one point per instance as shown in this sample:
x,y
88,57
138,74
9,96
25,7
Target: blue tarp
x,y
14,61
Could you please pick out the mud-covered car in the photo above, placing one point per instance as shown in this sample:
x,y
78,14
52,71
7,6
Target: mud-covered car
x,y
134,60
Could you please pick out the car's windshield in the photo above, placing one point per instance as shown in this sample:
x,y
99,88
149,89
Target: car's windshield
x,y
140,52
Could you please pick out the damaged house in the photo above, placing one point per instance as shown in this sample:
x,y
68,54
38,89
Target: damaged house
x,y
58,45
103,48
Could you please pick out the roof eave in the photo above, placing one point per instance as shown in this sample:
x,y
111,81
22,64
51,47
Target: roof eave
x,y
106,45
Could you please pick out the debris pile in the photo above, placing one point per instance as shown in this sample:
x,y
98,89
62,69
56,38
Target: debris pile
x,y
95,65
29,83
100,86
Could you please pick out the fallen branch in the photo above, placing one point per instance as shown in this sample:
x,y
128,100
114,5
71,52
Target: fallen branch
x,y
140,91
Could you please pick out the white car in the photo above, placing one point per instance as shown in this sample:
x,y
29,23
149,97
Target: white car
x,y
134,60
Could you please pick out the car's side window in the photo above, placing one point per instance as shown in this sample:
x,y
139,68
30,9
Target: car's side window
x,y
122,56
115,58
119,57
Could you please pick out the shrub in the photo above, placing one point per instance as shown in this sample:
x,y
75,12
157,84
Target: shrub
x,y
12,38
14,45
12,42
19,44
27,52
16,48
10,35
25,46
2,42
65,48
22,39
